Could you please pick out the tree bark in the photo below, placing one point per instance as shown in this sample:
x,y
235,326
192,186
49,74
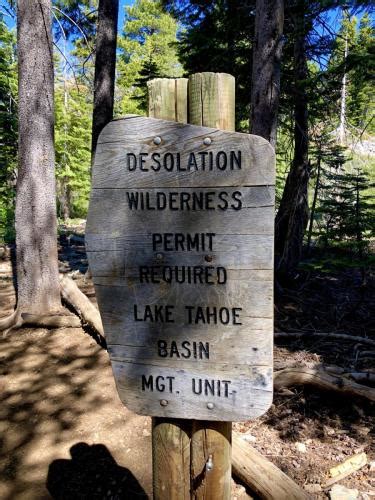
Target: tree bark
x,y
292,216
36,226
313,207
105,67
269,23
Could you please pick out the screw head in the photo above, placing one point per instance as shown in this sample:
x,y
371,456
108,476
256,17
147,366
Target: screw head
x,y
157,140
208,258
159,256
207,141
163,402
210,406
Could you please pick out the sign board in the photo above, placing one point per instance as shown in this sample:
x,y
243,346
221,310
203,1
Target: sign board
x,y
180,245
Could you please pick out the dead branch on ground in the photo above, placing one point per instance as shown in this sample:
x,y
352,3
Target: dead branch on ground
x,y
322,378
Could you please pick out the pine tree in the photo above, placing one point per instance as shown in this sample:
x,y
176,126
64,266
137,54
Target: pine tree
x,y
8,131
148,72
361,91
345,209
73,109
147,48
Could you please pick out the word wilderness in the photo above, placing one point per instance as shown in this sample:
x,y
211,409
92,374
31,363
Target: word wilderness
x,y
179,239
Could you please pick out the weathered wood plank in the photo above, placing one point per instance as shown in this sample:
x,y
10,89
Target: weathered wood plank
x,y
182,266
255,298
240,395
254,217
257,157
245,347
111,256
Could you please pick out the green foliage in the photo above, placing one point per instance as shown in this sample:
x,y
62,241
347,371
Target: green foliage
x,y
73,110
358,43
345,213
147,50
361,101
218,37
8,131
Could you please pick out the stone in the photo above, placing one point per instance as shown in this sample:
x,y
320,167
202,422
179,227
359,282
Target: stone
x,y
301,447
249,438
340,492
313,488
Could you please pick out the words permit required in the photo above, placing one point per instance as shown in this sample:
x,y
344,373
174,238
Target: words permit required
x,y
179,239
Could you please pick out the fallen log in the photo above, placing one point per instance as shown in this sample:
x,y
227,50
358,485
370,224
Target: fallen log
x,y
319,377
51,321
261,475
81,304
340,336
362,376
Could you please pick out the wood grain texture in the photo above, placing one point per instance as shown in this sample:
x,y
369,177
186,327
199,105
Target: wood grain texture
x,y
113,256
162,367
171,439
264,478
249,390
171,459
211,444
212,100
167,99
253,218
135,134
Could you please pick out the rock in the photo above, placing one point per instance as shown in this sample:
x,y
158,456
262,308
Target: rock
x,y
146,433
328,430
249,438
313,488
301,447
372,466
340,492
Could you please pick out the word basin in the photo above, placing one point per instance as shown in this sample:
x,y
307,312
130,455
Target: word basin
x,y
179,239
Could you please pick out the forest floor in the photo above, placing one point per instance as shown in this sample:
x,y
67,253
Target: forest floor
x,y
65,434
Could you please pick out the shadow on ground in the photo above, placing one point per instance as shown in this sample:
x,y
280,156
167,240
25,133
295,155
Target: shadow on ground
x,y
91,473
56,389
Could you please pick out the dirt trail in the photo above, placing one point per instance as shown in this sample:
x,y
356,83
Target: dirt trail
x,y
62,425
65,434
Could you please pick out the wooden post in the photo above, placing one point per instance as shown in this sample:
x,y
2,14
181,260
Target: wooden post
x,y
204,471
171,458
212,100
167,99
211,104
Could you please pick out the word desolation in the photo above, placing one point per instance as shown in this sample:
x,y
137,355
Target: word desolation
x,y
201,160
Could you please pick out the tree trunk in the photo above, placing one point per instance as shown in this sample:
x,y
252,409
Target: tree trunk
x,y
36,227
292,216
269,23
105,67
313,207
343,96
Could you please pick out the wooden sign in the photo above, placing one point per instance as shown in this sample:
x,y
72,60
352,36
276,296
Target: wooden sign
x,y
180,244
